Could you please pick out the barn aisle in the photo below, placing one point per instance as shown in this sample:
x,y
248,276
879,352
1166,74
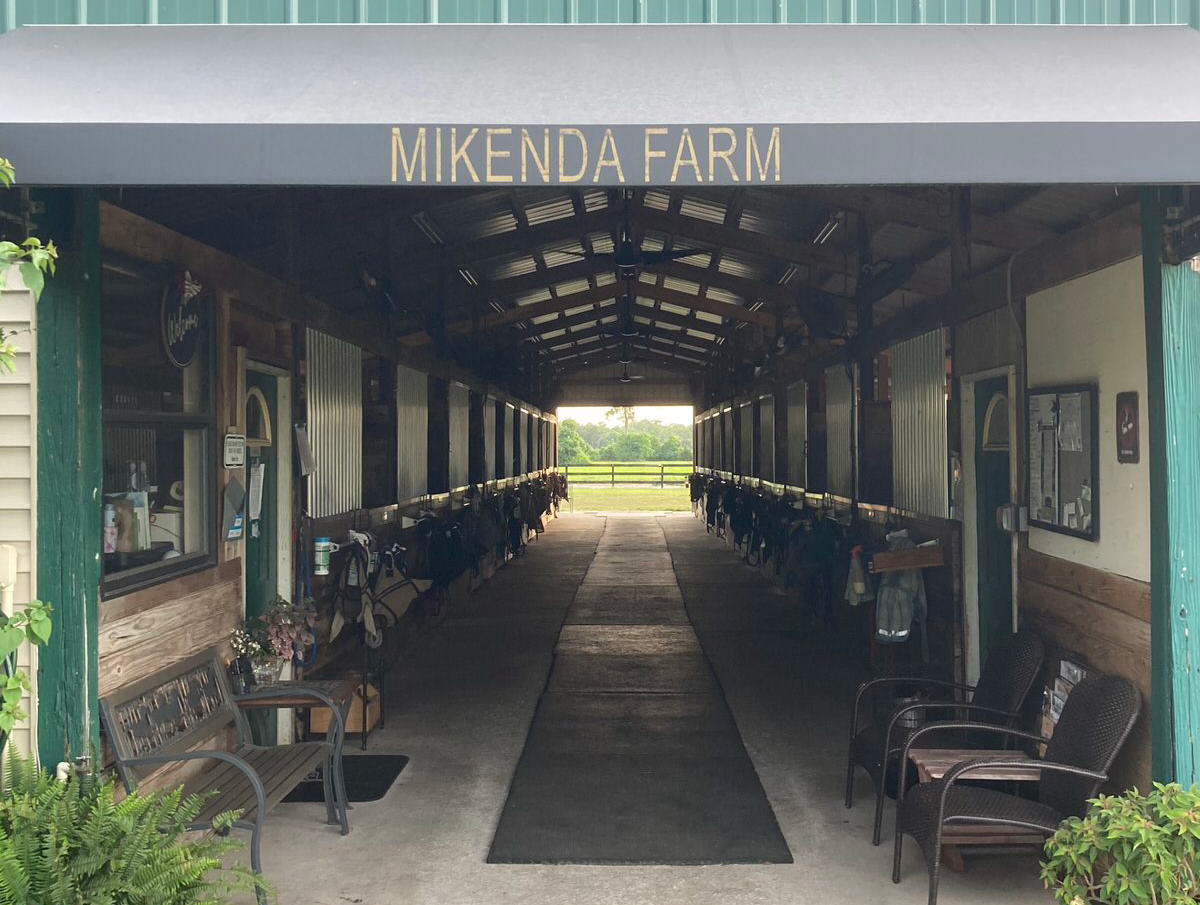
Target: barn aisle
x,y
464,702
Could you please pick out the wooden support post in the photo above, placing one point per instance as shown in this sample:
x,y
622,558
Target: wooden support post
x,y
69,476
1172,305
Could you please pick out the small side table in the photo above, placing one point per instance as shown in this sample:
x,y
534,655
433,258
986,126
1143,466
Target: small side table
x,y
934,763
336,694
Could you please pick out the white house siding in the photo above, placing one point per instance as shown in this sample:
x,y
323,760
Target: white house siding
x,y
18,474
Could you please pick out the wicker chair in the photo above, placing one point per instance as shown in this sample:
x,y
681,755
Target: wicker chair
x,y
1012,667
1095,722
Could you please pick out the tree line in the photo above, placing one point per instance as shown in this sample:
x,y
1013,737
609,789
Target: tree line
x,y
633,441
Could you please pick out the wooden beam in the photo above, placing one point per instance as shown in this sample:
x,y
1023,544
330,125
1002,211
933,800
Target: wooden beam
x,y
1006,231
652,334
1101,243
603,356
599,294
410,262
591,317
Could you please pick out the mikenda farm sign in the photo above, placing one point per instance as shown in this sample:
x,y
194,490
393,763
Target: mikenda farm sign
x,y
589,155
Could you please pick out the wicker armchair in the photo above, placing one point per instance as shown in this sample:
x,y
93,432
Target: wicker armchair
x,y
1012,667
1095,722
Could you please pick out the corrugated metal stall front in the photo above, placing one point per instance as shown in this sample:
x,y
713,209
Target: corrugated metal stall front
x,y
699,426
727,462
713,449
412,433
335,424
766,438
489,438
919,442
460,435
839,430
797,433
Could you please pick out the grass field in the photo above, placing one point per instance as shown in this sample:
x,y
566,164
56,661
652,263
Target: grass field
x,y
628,499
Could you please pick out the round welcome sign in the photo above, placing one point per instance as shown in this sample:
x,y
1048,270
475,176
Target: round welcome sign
x,y
183,310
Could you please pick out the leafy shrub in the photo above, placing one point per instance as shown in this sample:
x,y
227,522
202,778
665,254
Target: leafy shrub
x,y
1129,849
74,843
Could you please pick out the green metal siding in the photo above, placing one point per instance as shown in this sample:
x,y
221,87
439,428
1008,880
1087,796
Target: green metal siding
x,y
1039,12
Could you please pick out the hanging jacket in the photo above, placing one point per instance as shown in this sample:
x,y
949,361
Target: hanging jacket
x,y
900,601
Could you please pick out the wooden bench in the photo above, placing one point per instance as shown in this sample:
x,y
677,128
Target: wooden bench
x,y
161,719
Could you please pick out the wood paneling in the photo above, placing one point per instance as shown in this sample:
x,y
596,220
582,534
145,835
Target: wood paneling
x,y
143,642
1102,621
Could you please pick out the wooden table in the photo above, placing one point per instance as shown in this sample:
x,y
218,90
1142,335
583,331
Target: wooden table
x,y
934,763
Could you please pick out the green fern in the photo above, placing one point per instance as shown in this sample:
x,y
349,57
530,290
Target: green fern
x,y
75,843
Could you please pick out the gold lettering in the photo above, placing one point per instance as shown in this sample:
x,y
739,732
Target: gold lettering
x,y
541,163
400,155
437,157
651,154
761,163
460,153
563,176
685,138
725,155
615,161
491,154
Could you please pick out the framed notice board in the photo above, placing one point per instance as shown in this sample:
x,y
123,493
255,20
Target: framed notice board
x,y
1064,461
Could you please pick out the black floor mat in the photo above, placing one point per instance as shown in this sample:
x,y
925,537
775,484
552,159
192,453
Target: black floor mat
x,y
368,777
633,756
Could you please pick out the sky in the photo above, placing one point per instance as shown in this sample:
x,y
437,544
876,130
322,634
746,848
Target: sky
x,y
667,414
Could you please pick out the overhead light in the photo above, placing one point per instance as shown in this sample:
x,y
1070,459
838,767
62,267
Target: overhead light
x,y
828,229
468,277
788,275
426,225
756,306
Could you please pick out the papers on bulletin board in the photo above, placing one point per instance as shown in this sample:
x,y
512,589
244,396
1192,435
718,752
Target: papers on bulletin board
x,y
257,474
1070,422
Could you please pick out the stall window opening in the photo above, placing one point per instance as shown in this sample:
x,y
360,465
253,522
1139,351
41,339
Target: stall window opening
x,y
157,368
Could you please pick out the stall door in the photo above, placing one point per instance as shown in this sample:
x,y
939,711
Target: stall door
x,y
992,492
261,539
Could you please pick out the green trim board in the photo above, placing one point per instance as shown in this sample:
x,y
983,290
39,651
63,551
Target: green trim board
x,y
1181,383
69,475
1161,711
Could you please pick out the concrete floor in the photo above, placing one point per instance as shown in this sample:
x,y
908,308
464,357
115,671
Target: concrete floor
x,y
461,707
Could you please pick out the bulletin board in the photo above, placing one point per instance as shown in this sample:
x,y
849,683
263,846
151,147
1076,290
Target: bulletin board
x,y
1063,458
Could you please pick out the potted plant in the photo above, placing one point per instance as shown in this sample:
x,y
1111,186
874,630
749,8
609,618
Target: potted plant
x,y
246,650
1129,849
286,630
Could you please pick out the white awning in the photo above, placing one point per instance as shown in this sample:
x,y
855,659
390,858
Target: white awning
x,y
466,104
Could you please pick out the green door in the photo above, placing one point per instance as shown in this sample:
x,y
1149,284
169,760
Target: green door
x,y
261,542
992,491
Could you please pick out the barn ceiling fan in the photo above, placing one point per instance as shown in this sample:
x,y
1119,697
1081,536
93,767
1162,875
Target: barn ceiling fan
x,y
625,355
626,377
627,257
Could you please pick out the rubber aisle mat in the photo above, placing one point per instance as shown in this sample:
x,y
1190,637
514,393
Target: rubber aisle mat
x,y
633,756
